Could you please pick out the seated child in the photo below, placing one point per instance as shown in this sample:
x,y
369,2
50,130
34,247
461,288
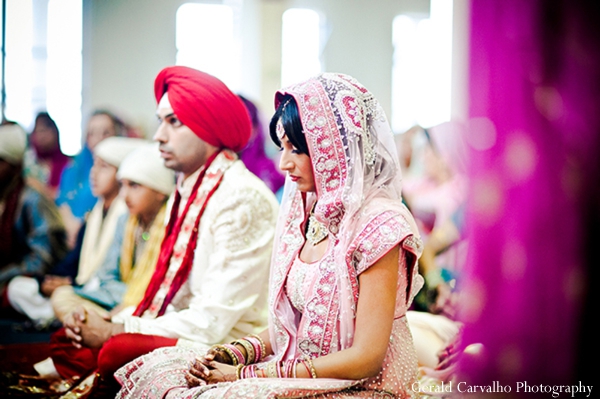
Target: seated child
x,y
126,271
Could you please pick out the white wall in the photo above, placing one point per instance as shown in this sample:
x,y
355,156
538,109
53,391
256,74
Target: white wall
x,y
126,43
129,43
460,60
359,42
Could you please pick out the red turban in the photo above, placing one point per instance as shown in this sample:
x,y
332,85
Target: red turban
x,y
205,105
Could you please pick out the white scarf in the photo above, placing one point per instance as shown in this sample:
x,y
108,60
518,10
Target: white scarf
x,y
99,235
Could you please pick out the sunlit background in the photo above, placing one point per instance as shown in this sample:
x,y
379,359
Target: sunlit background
x,y
422,72
44,58
43,65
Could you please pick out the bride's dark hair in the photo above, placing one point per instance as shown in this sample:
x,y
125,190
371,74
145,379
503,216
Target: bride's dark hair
x,y
287,111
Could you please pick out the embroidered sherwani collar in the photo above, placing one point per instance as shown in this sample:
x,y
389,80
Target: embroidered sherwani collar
x,y
185,186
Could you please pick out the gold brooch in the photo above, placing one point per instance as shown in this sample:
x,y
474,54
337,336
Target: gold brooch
x,y
316,231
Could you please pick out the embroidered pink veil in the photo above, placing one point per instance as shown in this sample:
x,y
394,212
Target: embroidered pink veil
x,y
358,183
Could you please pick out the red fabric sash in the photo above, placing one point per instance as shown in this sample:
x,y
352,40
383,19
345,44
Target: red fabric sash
x,y
166,250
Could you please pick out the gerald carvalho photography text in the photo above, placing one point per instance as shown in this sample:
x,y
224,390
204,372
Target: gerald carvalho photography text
x,y
579,390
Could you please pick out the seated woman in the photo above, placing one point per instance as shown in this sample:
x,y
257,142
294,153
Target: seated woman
x,y
343,270
44,161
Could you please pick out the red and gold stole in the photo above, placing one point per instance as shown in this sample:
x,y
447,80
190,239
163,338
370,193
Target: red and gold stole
x,y
181,235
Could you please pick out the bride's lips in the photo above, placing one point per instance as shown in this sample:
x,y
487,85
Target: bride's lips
x,y
294,178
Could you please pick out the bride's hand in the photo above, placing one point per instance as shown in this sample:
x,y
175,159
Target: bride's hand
x,y
197,373
215,353
219,372
206,370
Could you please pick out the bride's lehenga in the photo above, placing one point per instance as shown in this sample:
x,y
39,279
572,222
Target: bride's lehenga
x,y
312,307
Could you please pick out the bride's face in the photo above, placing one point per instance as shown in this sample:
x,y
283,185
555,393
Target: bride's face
x,y
297,166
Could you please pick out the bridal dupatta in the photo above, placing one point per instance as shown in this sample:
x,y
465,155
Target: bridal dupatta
x,y
358,183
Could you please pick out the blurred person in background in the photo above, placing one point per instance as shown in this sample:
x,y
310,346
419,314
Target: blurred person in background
x,y
32,236
435,165
75,198
44,161
131,257
101,224
31,295
435,161
254,155
435,190
528,296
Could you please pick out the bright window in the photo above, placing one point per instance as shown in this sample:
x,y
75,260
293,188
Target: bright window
x,y
208,39
43,65
64,70
19,62
421,75
301,45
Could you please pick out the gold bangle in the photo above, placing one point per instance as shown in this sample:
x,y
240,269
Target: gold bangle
x,y
234,359
238,371
313,372
272,369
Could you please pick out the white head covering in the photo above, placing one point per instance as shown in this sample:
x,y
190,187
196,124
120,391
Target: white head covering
x,y
145,166
13,141
114,149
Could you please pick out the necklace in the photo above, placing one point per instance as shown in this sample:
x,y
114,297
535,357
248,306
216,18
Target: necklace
x,y
141,234
315,231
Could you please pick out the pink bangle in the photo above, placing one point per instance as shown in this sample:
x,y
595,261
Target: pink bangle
x,y
248,372
238,353
288,367
248,347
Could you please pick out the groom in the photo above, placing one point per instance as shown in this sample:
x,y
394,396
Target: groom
x,y
210,282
